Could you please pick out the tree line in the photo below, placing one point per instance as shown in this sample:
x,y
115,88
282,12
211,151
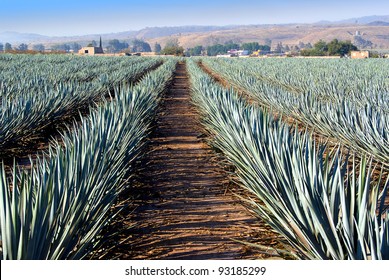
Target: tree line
x,y
7,47
224,48
333,48
112,46
172,47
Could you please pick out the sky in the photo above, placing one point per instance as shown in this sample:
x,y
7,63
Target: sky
x,y
80,17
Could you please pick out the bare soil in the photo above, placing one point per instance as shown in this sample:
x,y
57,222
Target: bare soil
x,y
185,207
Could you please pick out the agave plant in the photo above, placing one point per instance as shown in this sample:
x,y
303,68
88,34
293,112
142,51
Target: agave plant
x,y
325,207
56,209
340,99
32,101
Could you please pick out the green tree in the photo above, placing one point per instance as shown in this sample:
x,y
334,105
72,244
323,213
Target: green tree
x,y
254,46
140,46
157,48
223,49
173,48
61,47
312,52
23,47
347,47
7,47
115,46
216,49
231,46
251,47
38,47
335,47
1,47
172,43
75,47
197,50
321,46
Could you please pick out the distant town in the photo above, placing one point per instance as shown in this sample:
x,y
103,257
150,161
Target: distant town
x,y
368,35
334,48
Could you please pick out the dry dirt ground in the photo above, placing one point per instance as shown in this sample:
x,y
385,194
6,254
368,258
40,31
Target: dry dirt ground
x,y
185,208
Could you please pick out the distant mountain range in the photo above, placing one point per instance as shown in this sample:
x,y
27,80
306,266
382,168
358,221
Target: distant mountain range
x,y
145,33
372,28
15,37
378,23
365,20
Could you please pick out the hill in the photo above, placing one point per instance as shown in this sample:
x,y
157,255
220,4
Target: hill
x,y
15,37
287,34
364,20
378,23
374,29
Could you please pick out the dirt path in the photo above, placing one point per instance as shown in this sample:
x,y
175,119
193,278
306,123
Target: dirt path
x,y
186,210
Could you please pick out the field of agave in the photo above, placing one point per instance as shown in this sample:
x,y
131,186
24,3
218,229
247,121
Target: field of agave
x,y
326,198
55,209
346,100
310,144
40,92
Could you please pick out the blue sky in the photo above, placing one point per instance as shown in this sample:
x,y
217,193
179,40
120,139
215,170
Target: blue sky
x,y
77,17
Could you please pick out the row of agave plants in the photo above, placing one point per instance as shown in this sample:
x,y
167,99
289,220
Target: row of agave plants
x,y
35,73
360,81
44,91
325,207
57,209
357,115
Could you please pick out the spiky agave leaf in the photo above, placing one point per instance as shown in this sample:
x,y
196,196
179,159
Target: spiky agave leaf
x,y
74,186
307,197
